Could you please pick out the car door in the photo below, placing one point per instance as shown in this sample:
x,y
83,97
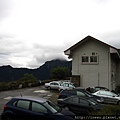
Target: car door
x,y
72,103
21,109
39,111
65,86
54,85
84,106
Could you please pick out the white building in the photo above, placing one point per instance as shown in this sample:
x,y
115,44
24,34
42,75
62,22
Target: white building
x,y
94,63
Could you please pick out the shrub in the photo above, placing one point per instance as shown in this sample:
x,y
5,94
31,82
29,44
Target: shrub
x,y
109,110
4,86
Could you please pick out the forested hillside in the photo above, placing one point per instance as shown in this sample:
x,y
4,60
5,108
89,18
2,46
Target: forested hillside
x,y
8,73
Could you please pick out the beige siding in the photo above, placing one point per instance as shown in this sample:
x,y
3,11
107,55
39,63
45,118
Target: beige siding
x,y
92,75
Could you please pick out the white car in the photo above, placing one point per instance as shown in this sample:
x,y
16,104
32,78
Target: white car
x,y
108,96
52,85
66,86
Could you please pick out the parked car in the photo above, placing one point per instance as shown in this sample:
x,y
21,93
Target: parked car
x,y
79,92
53,85
34,108
59,85
96,88
66,86
108,96
80,105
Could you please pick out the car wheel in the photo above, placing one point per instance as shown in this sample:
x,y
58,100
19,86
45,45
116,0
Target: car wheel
x,y
67,108
49,87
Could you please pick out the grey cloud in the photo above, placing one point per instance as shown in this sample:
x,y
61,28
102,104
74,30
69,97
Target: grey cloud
x,y
13,49
10,45
38,60
41,54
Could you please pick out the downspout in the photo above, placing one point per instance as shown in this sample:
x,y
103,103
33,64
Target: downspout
x,y
108,68
79,69
98,79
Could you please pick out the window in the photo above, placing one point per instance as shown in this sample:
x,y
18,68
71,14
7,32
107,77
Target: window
x,y
36,107
71,92
73,100
85,59
71,86
80,94
107,93
93,53
52,107
93,58
83,102
66,85
51,83
23,104
54,83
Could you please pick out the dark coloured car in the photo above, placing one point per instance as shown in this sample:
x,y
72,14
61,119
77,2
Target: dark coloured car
x,y
79,92
33,108
80,105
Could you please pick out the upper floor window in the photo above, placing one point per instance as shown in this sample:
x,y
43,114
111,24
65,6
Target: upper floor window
x,y
85,59
93,59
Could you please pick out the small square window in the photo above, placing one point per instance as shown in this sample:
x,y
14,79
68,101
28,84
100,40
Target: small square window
x,y
93,53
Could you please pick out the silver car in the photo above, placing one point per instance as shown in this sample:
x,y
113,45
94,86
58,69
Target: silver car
x,y
66,86
53,85
108,96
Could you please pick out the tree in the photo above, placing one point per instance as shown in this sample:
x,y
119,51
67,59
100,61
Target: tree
x,y
27,79
60,72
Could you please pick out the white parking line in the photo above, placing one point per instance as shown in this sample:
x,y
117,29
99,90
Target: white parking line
x,y
41,91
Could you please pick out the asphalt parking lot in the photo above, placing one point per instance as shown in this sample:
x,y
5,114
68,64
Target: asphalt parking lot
x,y
40,91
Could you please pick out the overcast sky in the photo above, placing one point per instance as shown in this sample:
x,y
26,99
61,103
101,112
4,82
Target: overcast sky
x,y
35,31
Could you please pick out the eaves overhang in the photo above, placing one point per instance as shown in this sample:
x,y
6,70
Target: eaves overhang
x,y
114,51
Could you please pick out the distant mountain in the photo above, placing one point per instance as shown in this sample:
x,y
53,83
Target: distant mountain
x,y
8,73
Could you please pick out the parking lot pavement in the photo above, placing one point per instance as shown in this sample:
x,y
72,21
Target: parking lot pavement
x,y
40,91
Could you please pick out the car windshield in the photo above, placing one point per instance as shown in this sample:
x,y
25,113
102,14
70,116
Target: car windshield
x,y
52,107
93,102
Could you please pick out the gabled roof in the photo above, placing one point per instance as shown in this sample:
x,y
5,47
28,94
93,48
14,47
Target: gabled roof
x,y
69,50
